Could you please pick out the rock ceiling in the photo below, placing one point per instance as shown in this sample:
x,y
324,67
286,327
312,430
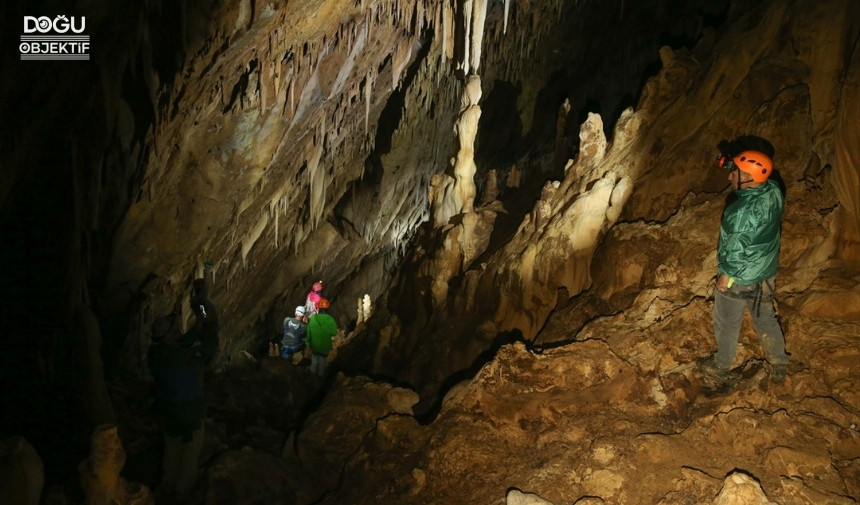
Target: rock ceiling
x,y
266,146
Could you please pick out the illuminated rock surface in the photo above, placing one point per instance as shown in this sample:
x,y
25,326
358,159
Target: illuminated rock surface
x,y
531,342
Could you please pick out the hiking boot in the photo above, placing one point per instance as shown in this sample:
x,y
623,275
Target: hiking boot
x,y
777,373
710,368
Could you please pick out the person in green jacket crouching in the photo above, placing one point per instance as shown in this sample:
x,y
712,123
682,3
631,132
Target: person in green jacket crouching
x,y
321,328
748,256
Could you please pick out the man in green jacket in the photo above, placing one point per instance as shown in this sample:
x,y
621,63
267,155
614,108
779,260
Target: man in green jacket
x,y
748,257
321,328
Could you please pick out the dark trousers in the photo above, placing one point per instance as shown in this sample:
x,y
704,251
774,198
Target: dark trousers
x,y
729,310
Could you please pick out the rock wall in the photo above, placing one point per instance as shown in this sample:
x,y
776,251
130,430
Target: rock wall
x,y
273,121
761,74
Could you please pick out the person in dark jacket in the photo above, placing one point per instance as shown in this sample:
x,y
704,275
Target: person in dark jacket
x,y
293,339
321,328
748,257
206,324
176,361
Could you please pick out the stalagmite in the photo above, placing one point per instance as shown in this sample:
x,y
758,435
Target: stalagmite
x,y
560,139
513,179
364,309
740,488
22,473
100,473
95,398
517,497
491,188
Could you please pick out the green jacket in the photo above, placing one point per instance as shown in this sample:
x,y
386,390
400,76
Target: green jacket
x,y
748,251
321,328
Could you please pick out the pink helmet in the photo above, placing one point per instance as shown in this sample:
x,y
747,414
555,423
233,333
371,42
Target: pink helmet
x,y
317,286
314,297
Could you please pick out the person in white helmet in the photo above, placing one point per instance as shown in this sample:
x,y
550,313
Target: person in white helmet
x,y
295,328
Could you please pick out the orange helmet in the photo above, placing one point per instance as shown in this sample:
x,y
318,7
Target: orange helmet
x,y
323,303
755,163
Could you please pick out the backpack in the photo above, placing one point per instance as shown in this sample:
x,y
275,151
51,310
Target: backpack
x,y
294,333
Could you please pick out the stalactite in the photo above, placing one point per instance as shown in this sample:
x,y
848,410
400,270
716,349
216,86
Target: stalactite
x,y
262,84
277,76
349,35
276,214
317,180
467,34
367,84
479,17
522,43
399,61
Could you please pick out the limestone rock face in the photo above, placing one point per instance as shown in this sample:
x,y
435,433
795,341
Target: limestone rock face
x,y
352,410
